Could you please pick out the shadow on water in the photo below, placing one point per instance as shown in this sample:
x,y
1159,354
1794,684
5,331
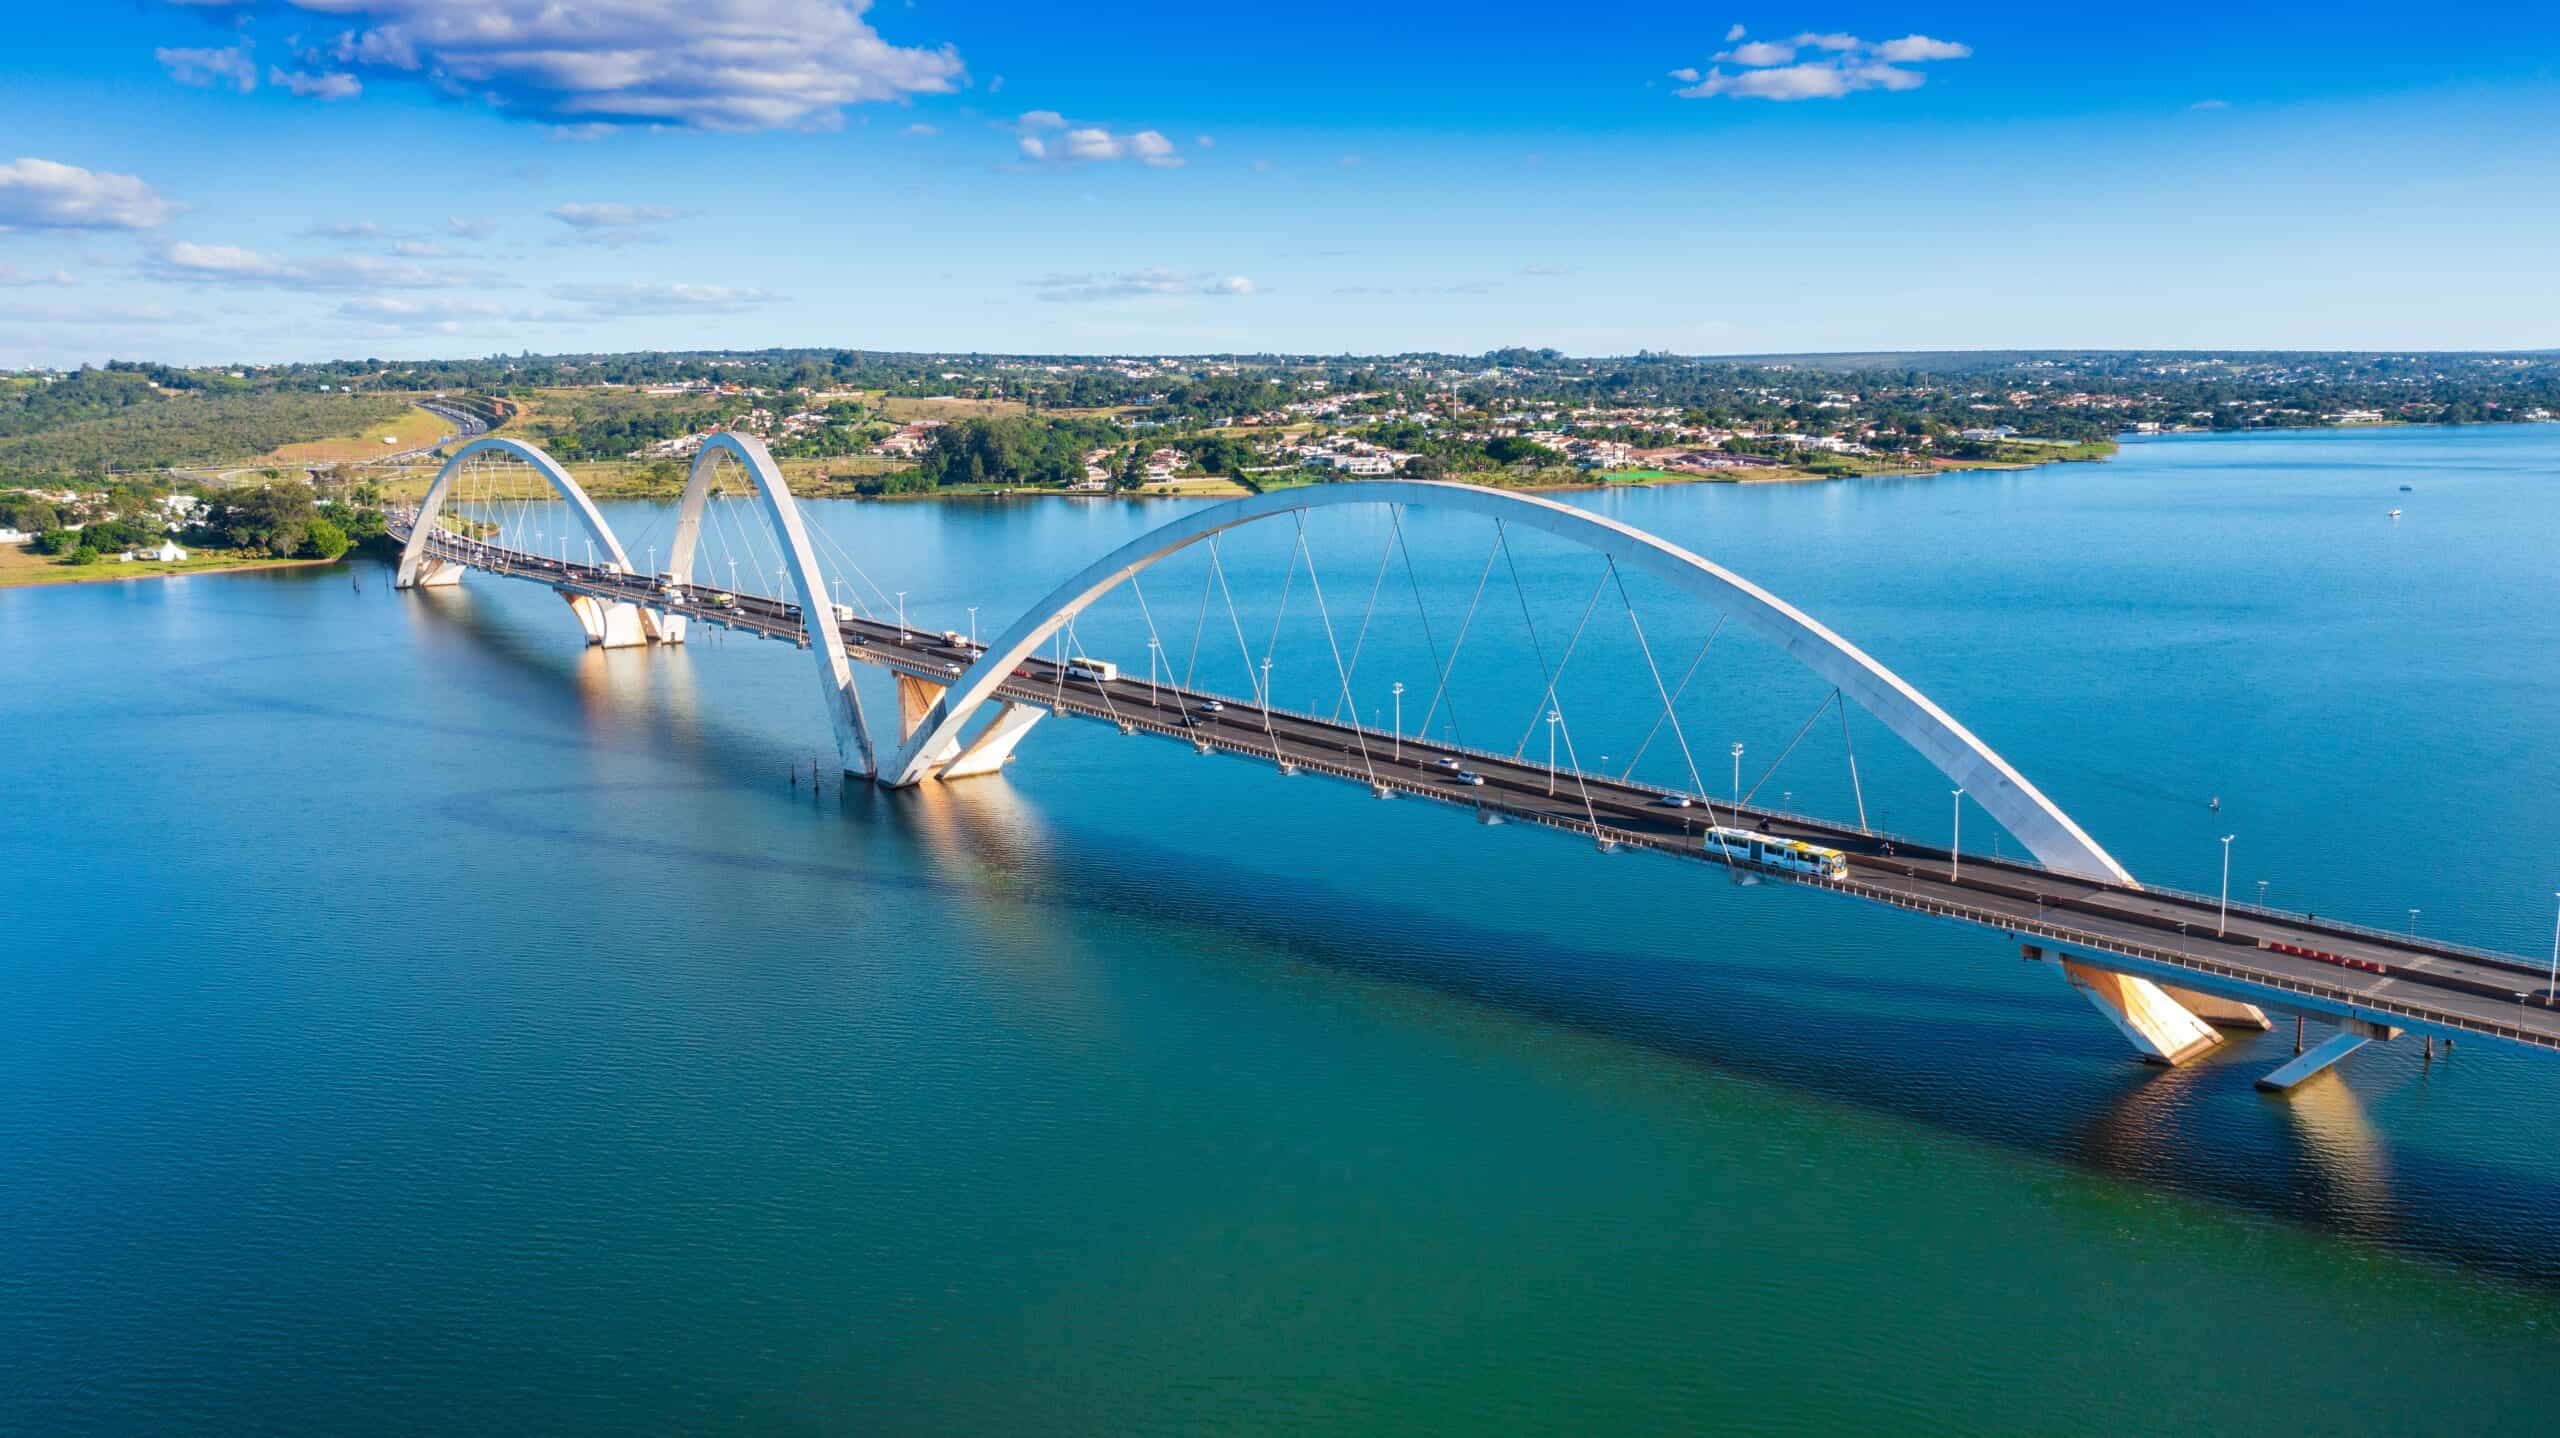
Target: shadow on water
x,y
2010,1070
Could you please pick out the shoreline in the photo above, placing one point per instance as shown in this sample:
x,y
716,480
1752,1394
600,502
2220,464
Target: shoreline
x,y
48,574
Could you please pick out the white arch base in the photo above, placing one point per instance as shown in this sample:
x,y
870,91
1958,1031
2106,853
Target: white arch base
x,y
987,753
436,574
609,625
2160,1029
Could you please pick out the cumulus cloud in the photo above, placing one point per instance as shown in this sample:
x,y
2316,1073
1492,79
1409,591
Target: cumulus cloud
x,y
11,277
46,195
233,266
629,299
316,85
1044,137
1137,284
694,64
1921,47
1760,52
467,228
207,69
1843,65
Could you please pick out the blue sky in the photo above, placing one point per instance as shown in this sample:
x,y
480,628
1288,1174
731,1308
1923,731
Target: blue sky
x,y
203,180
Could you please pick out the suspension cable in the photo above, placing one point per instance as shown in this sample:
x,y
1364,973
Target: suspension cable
x,y
1696,785
1854,791
1460,642
1558,675
1316,587
1801,731
1362,637
1676,691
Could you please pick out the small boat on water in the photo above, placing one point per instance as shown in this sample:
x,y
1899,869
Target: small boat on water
x,y
2404,489
2395,514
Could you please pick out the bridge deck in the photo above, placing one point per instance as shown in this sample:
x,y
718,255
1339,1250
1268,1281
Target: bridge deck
x,y
2324,966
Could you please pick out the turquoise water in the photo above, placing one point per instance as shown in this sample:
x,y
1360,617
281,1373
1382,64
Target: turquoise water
x,y
410,1020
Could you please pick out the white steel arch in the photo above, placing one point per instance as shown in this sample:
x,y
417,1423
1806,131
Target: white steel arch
x,y
2001,790
817,612
413,555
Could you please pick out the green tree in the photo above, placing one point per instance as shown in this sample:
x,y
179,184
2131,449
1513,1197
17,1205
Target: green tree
x,y
57,541
82,555
322,540
274,517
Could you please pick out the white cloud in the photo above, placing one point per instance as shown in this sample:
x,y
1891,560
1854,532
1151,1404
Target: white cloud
x,y
470,229
421,250
1921,47
1760,52
206,69
695,64
11,277
2210,105
1205,142
921,131
419,316
342,230
1846,65
1045,137
1546,270
1137,284
585,215
316,85
46,195
619,300
1733,34
241,268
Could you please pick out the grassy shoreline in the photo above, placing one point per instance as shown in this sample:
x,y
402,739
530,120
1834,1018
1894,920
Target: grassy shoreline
x,y
22,569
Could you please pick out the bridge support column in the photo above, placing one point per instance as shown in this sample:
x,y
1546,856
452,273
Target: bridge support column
x,y
2161,1030
2352,1035
994,746
433,574
670,627
916,698
608,625
2220,1012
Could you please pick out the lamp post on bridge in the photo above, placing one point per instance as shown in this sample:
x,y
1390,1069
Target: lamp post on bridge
x,y
1399,758
2413,926
1151,672
2553,990
2222,921
1737,776
2262,896
1266,707
902,616
973,626
1955,846
1554,717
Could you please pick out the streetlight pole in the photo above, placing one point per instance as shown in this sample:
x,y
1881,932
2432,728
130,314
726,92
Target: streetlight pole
x,y
1955,847
1151,673
1266,707
1399,758
1553,718
1737,775
2553,991
973,626
2222,922
2262,896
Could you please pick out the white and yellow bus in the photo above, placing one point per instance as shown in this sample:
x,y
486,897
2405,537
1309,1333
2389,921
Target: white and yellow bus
x,y
1749,846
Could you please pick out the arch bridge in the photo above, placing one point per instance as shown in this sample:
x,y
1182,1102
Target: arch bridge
x,y
2171,971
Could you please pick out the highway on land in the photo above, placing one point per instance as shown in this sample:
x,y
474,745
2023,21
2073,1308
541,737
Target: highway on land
x,y
2176,938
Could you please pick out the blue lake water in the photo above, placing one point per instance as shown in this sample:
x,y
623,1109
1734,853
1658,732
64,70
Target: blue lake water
x,y
410,1020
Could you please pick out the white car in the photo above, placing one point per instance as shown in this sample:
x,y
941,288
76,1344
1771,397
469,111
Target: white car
x,y
1467,776
1210,706
1672,801
1448,764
